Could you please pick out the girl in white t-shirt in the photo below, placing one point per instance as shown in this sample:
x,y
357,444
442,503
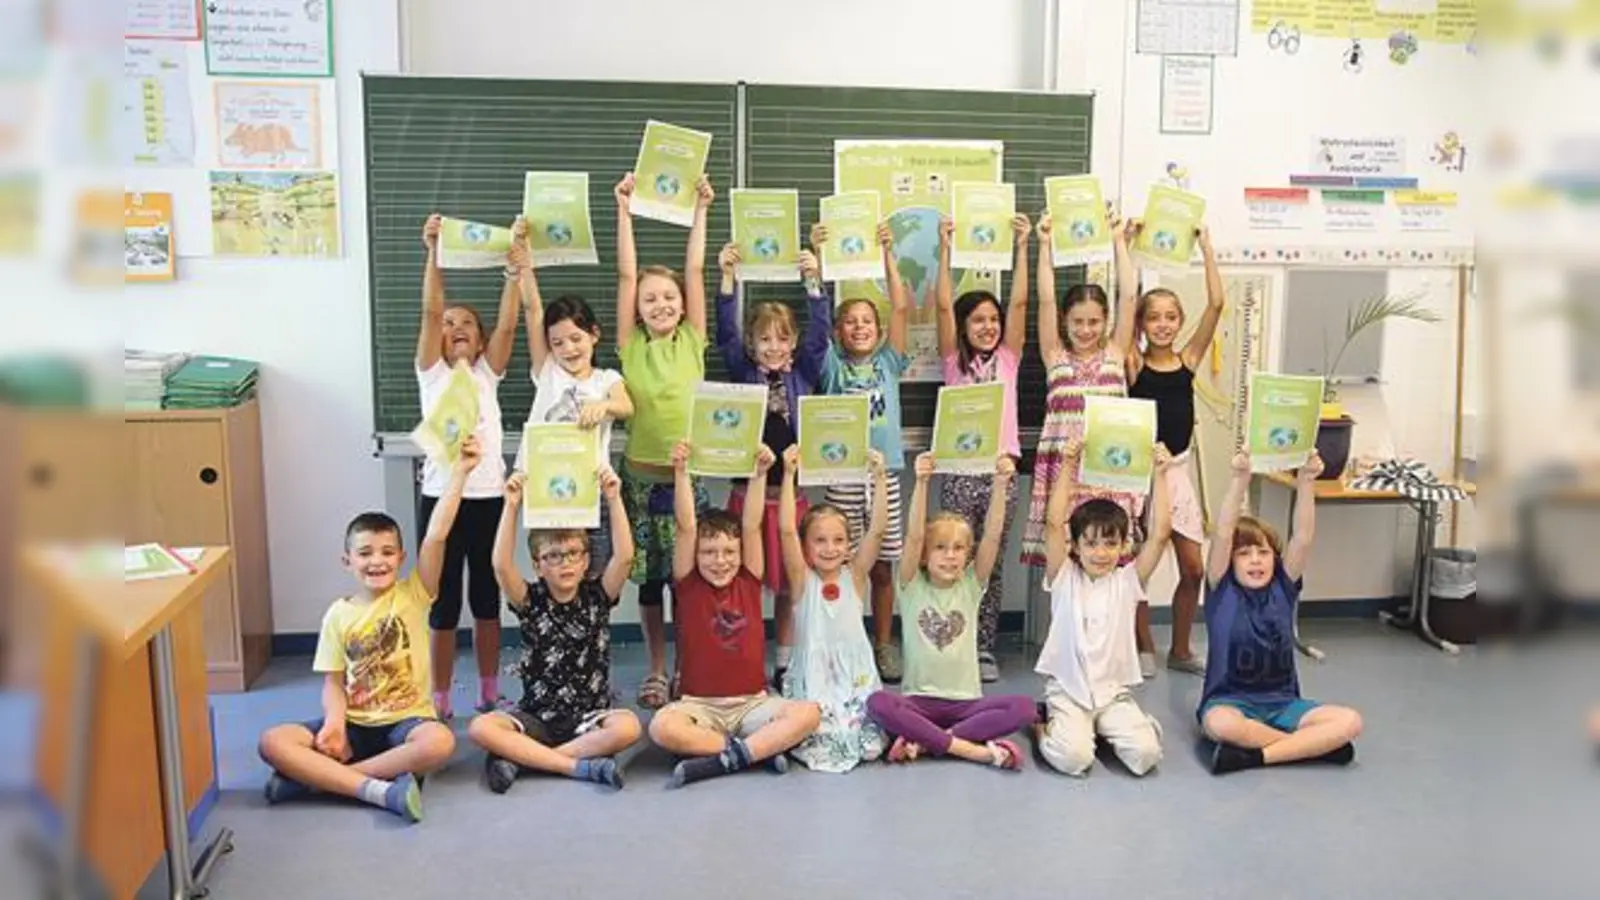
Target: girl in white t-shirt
x,y
453,333
567,385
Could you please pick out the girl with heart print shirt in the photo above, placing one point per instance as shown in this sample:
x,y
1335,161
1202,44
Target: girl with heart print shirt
x,y
941,709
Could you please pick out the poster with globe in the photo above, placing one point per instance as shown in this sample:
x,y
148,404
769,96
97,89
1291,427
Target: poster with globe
x,y
913,180
671,160
453,417
1080,231
472,245
966,428
556,207
766,227
835,435
1171,218
1284,412
982,237
851,252
725,424
1119,441
563,485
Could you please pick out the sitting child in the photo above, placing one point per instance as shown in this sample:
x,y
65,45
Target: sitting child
x,y
833,663
942,709
1090,658
725,721
1251,705
564,723
379,727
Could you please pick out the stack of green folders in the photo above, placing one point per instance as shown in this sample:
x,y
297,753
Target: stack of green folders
x,y
209,382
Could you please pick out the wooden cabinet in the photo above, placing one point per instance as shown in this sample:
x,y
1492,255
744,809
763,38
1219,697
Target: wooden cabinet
x,y
196,480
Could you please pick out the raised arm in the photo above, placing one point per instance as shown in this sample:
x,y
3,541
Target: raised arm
x,y
627,263
430,336
615,576
1216,296
1050,346
1057,543
505,546
430,553
1016,336
1122,330
730,337
518,261
694,261
532,302
994,524
755,505
1298,552
916,519
899,303
794,555
682,513
1232,507
866,555
943,299
819,324
1155,543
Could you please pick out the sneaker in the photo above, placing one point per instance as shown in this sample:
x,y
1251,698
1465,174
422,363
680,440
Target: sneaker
x,y
777,680
887,656
499,772
1147,665
1194,665
988,669
489,706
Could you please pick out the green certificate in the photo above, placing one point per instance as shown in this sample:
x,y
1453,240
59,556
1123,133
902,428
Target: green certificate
x,y
1080,232
979,280
472,245
146,561
766,226
1119,442
1284,412
1171,217
852,252
982,214
454,417
835,436
725,429
966,428
671,160
556,207
563,486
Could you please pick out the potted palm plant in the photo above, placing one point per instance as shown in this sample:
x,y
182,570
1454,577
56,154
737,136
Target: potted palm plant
x,y
1335,429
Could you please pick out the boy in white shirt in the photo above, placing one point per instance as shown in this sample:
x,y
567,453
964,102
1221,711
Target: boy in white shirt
x,y
1090,659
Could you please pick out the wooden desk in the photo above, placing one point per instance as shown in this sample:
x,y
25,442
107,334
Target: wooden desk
x,y
1339,491
125,759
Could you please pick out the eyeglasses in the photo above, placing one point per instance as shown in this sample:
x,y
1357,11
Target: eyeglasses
x,y
557,557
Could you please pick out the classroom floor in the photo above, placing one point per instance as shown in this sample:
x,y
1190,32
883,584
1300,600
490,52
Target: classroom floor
x,y
1445,799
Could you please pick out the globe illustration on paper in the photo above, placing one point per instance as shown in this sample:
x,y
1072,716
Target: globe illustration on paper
x,y
853,244
767,247
563,487
1117,457
983,235
452,431
834,452
558,233
1165,241
915,233
726,417
474,233
969,442
1283,437
668,185
1082,230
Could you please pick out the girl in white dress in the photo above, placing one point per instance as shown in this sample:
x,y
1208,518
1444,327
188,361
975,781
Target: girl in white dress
x,y
833,664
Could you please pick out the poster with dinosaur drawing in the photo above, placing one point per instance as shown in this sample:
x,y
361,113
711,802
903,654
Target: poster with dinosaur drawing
x,y
268,125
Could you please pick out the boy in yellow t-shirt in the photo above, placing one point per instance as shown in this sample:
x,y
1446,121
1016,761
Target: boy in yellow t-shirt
x,y
379,729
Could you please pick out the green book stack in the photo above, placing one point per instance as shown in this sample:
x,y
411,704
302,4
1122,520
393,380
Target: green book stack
x,y
209,382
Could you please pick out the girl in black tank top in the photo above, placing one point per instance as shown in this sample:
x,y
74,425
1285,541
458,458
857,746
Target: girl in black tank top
x,y
1161,370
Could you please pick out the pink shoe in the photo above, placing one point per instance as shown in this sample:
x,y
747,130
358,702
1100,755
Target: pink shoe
x,y
1005,755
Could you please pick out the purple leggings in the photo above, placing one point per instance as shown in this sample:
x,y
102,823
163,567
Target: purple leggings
x,y
923,720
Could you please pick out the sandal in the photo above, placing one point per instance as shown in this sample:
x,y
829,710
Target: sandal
x,y
653,691
1005,755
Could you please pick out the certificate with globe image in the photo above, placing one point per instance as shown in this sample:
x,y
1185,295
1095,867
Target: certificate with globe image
x,y
852,251
1283,418
1167,237
835,436
1119,441
725,429
452,418
563,486
472,245
1080,232
555,206
671,160
766,226
982,214
966,428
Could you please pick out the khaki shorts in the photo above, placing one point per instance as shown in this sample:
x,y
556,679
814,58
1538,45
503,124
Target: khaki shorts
x,y
731,716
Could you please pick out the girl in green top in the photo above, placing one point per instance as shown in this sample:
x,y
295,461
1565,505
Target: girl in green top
x,y
661,339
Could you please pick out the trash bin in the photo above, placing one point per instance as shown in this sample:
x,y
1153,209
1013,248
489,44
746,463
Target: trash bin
x,y
1454,612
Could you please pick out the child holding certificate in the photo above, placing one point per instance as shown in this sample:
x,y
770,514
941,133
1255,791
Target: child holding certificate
x,y
770,352
452,334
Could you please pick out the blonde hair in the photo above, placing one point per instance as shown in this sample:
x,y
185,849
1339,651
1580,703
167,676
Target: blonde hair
x,y
1252,532
820,511
770,314
664,272
844,308
946,519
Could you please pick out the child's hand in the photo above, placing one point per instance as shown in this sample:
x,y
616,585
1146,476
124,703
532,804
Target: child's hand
x,y
1312,470
874,463
885,235
764,461
610,484
680,456
430,231
471,453
947,230
1005,468
1241,463
1046,223
924,466
728,258
514,486
519,256
819,235
1131,229
519,231
331,741
808,266
1204,234
791,459
593,413
1074,448
624,192
1163,458
1021,227
704,193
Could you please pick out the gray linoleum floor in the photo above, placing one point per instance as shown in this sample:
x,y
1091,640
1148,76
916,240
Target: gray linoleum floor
x,y
1473,780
